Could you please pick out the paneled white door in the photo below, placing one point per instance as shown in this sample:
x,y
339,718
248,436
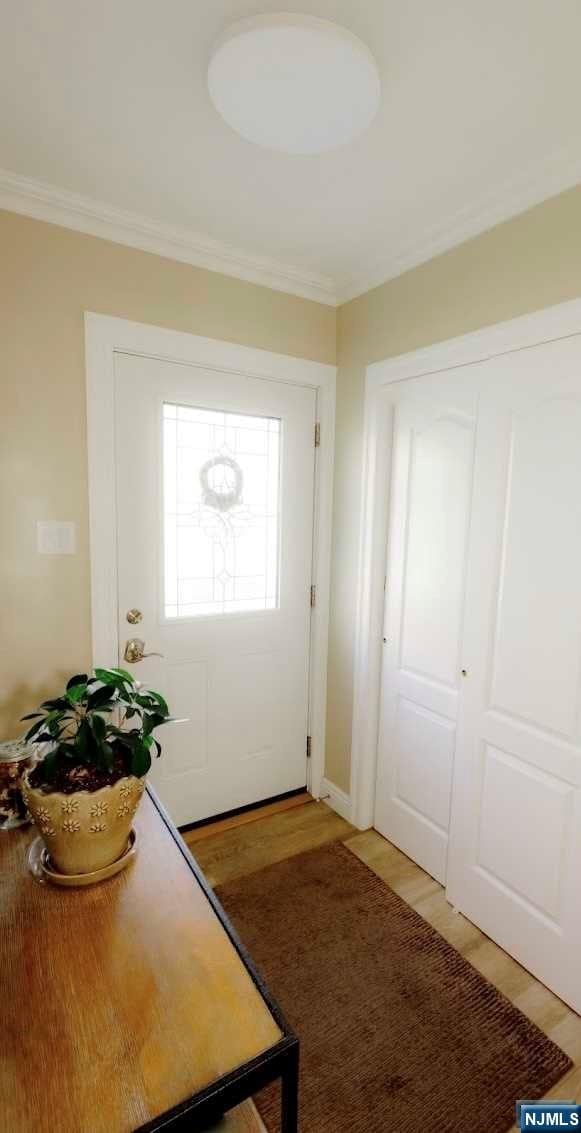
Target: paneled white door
x,y
431,485
514,864
215,481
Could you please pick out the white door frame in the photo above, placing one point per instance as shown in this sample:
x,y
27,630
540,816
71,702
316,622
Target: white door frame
x,y
529,330
104,337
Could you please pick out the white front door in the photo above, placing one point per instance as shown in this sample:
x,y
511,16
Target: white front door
x,y
431,485
215,482
514,864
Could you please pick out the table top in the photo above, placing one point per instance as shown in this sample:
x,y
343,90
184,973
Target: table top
x,y
120,1001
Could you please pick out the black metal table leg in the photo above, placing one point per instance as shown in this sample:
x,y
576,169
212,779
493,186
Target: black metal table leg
x,y
290,1092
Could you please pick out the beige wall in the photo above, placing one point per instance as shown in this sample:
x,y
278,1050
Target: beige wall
x,y
528,263
48,278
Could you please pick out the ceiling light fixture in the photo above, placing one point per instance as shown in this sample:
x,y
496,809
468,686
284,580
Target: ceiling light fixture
x,y
294,83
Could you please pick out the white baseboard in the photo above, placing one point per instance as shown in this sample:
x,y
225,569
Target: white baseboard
x,y
336,798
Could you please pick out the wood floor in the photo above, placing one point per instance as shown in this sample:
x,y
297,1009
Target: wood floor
x,y
235,852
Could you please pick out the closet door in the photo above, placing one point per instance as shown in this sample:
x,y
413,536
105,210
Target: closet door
x,y
514,863
431,484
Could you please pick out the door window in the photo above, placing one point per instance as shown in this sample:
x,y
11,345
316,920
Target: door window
x,y
221,500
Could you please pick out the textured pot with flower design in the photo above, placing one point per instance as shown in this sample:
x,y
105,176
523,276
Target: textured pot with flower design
x,y
87,830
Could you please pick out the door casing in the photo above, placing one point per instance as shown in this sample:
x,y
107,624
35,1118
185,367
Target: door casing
x,y
104,337
529,330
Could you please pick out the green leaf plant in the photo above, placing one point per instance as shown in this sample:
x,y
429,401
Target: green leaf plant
x,y
98,721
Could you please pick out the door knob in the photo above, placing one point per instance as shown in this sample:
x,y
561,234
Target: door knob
x,y
134,651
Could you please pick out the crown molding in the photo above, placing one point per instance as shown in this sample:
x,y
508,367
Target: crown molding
x,y
43,201
46,202
560,171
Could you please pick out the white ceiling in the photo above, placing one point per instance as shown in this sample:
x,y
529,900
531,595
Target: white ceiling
x,y
106,122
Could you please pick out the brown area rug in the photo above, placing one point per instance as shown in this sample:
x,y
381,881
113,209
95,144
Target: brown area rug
x,y
398,1032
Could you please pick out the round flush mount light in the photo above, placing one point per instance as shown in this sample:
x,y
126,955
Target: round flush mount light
x,y
294,83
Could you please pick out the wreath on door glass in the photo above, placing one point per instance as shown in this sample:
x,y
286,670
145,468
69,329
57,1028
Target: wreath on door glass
x,y
221,492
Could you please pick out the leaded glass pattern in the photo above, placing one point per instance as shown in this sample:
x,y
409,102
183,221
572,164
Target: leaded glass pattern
x,y
221,493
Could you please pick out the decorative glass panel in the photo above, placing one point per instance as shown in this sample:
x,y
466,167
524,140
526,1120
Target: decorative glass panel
x,y
221,511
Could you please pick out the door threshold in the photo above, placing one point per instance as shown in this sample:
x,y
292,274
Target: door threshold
x,y
242,815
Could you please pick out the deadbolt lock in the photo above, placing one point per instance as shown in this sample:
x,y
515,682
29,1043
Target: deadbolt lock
x,y
134,616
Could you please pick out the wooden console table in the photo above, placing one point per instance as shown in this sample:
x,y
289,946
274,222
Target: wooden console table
x,y
131,1005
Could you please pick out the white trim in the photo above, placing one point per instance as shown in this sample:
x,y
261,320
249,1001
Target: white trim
x,y
322,548
105,336
47,202
515,334
547,325
337,799
95,218
533,185
370,600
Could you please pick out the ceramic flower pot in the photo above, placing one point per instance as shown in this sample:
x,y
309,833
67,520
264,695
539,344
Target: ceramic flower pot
x,y
86,830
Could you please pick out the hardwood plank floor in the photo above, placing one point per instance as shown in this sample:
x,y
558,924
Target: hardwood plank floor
x,y
235,853
199,833
244,1119
245,849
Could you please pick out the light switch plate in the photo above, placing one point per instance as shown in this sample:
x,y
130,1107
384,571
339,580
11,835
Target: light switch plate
x,y
55,537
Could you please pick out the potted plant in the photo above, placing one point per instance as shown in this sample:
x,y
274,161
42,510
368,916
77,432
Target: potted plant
x,y
85,789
